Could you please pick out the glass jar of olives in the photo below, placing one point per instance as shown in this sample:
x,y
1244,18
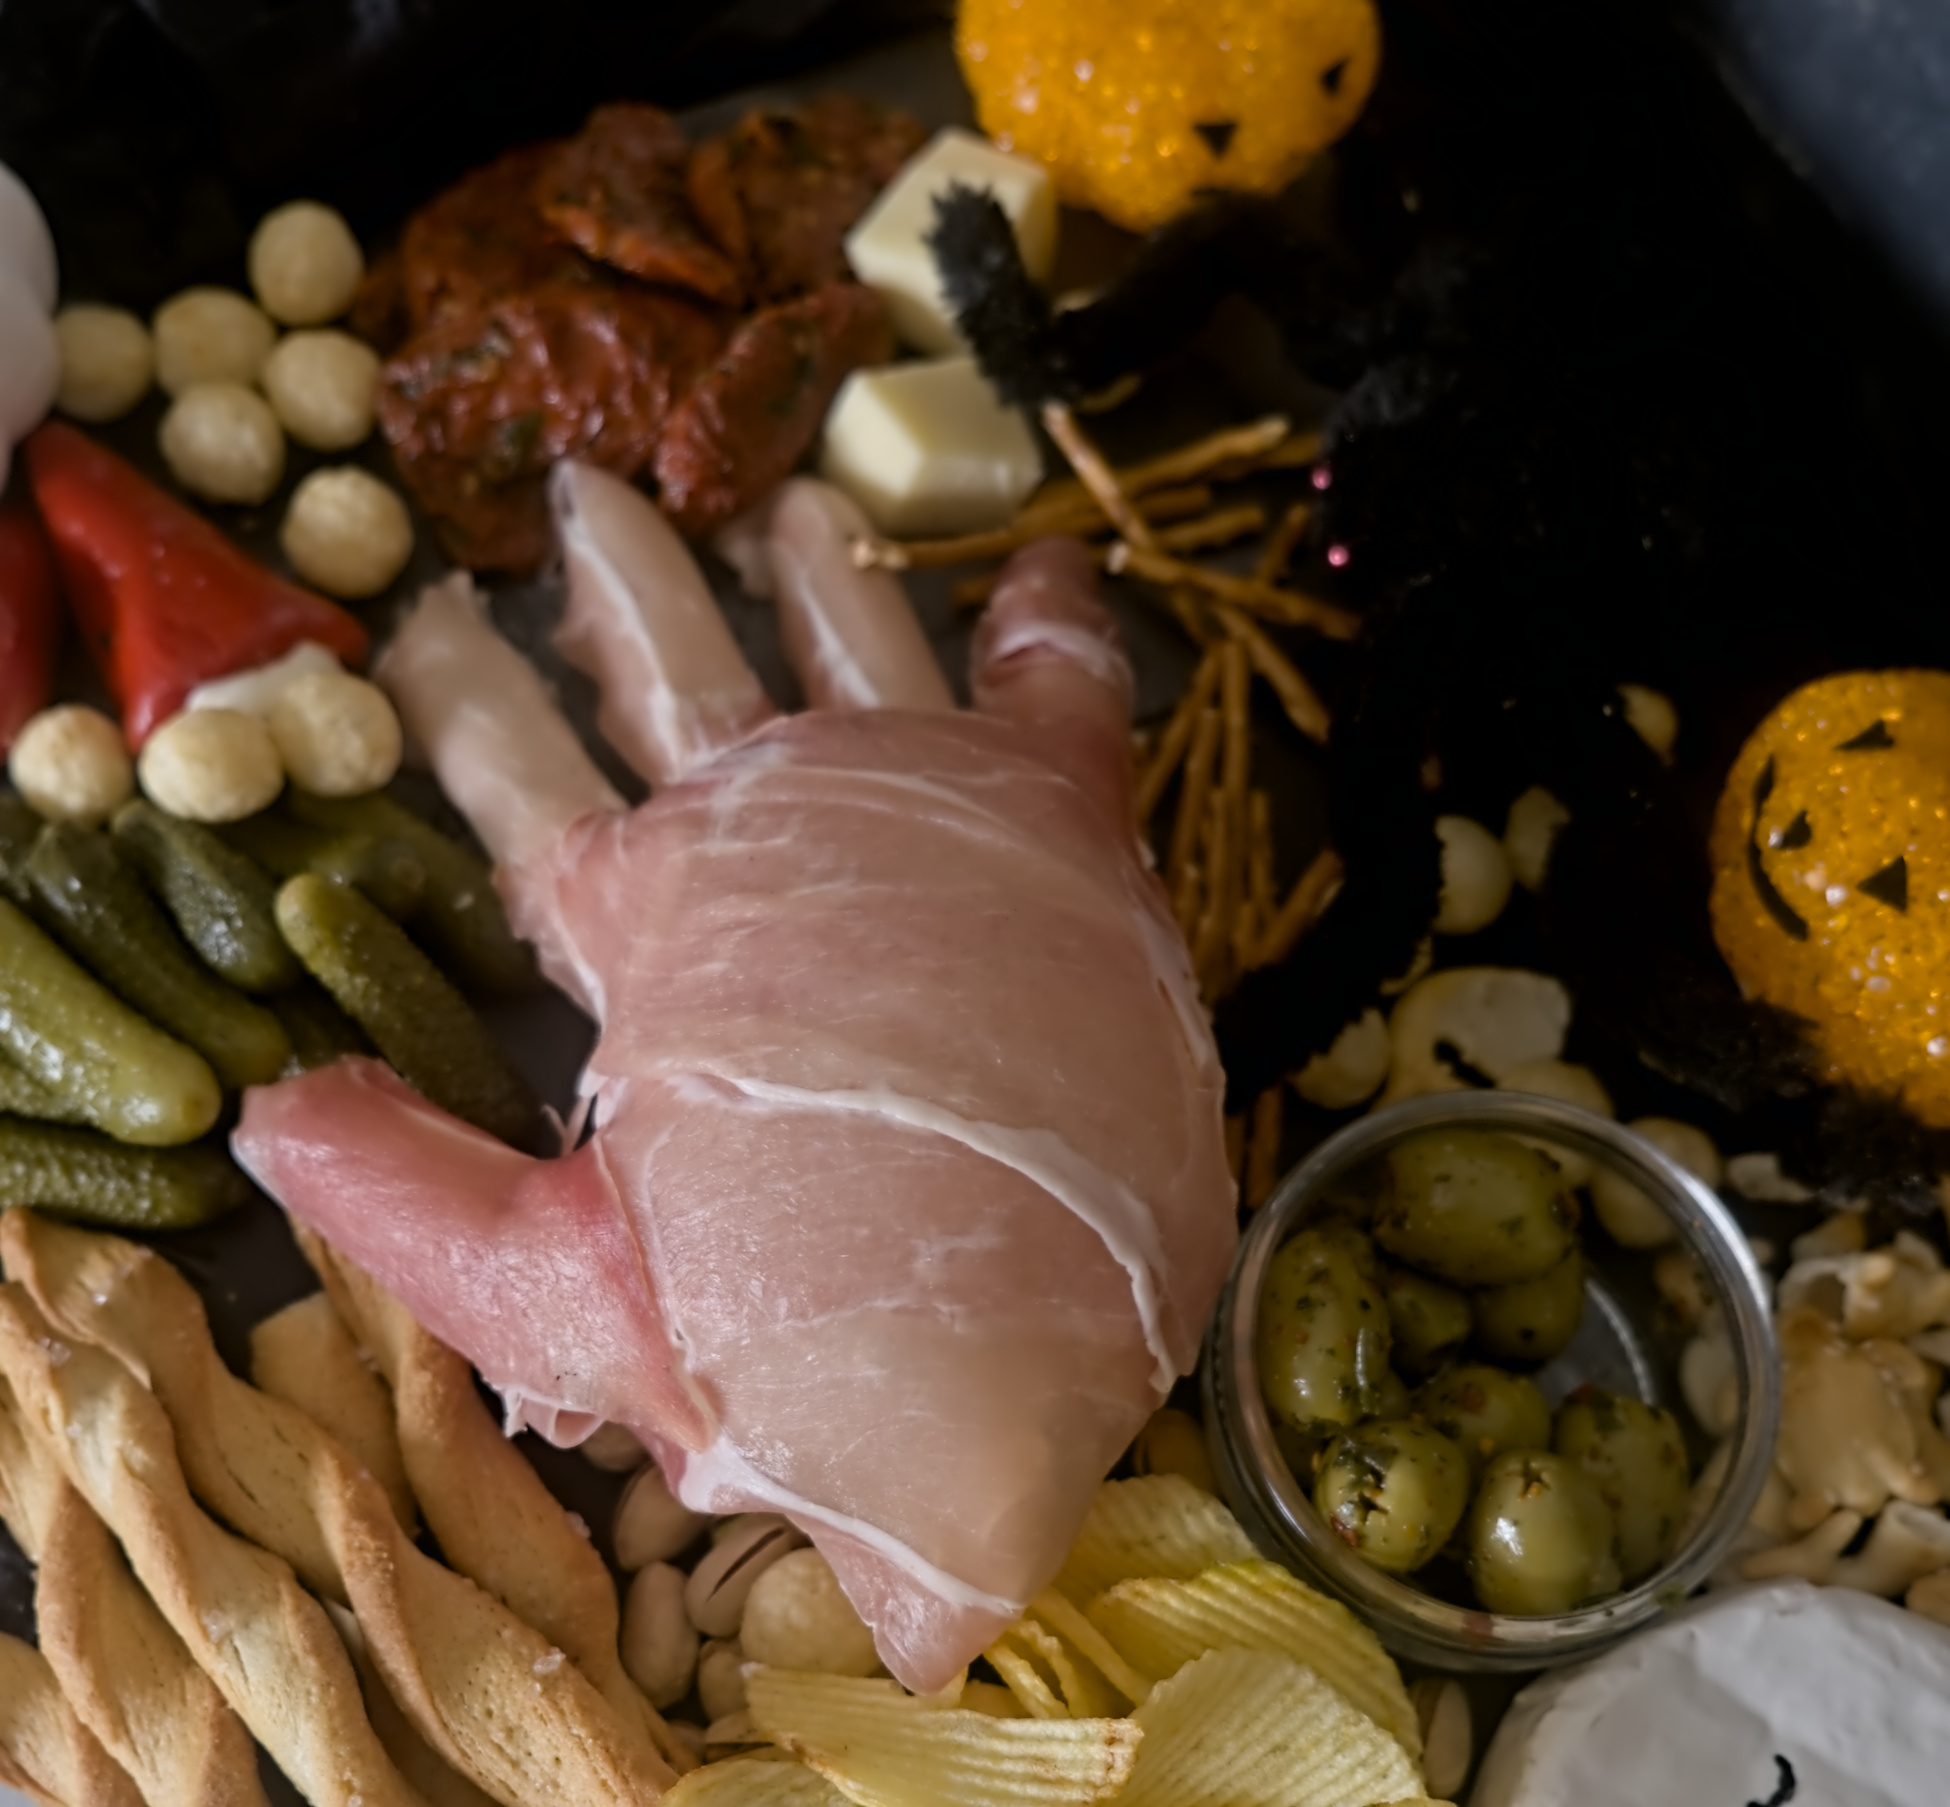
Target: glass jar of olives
x,y
1433,1390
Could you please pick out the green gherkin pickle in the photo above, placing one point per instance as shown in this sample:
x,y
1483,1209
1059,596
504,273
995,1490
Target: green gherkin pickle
x,y
1392,1491
222,900
384,867
1636,1458
1474,1208
462,915
94,903
416,1019
20,827
320,1031
1322,1335
22,1095
78,1039
80,1174
1529,1321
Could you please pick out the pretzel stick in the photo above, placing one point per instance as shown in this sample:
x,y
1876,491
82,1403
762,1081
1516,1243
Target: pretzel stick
x,y
305,1356
1177,736
129,1678
1191,799
1257,906
1277,553
1205,530
45,1751
1233,451
495,1520
1096,475
1312,891
1215,919
1083,518
1263,1146
1291,608
488,1692
1301,701
254,1631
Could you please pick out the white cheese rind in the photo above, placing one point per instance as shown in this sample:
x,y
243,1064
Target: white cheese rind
x,y
888,248
925,449
1852,1691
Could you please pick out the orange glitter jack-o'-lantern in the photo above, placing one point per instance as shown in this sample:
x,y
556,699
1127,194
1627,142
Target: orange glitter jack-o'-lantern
x,y
1831,887
1138,107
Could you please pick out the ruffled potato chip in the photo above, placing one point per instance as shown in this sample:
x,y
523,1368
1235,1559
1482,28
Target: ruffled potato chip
x,y
1252,1728
1052,1610
882,1748
1051,1679
1161,1625
768,1781
1159,1524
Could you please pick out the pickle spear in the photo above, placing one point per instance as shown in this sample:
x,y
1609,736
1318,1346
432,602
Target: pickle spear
x,y
77,1038
462,915
94,903
222,900
320,1031
22,1095
416,1019
77,1173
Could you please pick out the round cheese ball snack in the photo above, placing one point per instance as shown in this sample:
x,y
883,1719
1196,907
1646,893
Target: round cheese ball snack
x,y
223,443
210,335
211,765
69,763
305,264
322,387
337,735
346,533
108,361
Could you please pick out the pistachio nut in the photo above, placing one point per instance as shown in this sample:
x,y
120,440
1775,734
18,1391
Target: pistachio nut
x,y
721,1679
721,1583
659,1644
650,1524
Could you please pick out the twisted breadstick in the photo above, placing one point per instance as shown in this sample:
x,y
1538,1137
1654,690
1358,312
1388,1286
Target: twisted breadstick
x,y
305,1356
496,1522
488,1693
241,1613
125,1673
45,1751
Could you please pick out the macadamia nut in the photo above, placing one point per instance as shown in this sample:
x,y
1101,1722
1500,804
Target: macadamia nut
x,y
70,765
305,264
798,1617
322,386
210,335
211,765
337,735
108,361
1475,876
223,443
346,533
1652,718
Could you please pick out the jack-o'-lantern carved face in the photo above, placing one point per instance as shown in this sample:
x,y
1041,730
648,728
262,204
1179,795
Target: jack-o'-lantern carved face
x,y
1831,888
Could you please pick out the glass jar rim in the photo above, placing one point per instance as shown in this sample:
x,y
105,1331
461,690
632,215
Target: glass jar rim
x,y
1277,1509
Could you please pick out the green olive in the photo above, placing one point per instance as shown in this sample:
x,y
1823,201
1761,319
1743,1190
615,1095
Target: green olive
x,y
1636,1458
1540,1537
1474,1208
1391,1396
1394,1491
1322,1340
1529,1321
1486,1411
1429,1320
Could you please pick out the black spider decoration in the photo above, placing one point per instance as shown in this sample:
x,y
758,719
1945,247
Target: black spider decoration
x,y
1618,403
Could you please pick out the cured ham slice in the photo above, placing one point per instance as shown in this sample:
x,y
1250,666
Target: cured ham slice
x,y
904,1197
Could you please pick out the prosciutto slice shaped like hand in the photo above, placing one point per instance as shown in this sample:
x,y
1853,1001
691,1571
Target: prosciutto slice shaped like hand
x,y
905,1197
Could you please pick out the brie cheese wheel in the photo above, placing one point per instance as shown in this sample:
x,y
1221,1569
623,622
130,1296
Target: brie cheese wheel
x,y
888,248
926,449
1844,1695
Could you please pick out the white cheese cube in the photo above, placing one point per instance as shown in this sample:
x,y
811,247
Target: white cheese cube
x,y
888,248
926,449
